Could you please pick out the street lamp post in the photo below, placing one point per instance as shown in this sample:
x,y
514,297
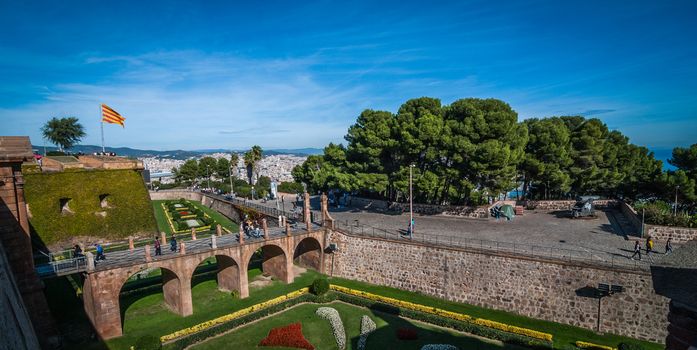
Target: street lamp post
x,y
411,204
675,211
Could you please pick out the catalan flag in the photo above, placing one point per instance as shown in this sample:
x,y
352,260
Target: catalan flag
x,y
111,116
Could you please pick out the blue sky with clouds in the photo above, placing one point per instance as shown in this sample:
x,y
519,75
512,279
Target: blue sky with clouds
x,y
295,74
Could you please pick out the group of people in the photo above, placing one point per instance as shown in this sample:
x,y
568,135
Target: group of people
x,y
649,247
251,229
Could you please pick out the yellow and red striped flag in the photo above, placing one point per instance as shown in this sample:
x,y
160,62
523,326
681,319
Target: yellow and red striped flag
x,y
111,116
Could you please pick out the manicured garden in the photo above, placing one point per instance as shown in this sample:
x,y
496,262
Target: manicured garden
x,y
216,312
319,332
180,215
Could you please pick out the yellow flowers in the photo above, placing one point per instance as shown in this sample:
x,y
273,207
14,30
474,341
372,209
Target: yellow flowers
x,y
225,318
445,313
587,345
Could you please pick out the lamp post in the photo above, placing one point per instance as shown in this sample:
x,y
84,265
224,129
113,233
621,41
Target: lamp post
x,y
411,203
675,211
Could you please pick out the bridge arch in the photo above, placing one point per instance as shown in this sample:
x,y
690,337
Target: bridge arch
x,y
308,253
276,261
228,271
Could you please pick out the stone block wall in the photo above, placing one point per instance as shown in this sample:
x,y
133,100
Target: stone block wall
x,y
15,325
175,194
553,205
543,289
631,215
422,209
679,234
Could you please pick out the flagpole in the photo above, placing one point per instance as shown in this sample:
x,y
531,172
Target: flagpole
x,y
101,122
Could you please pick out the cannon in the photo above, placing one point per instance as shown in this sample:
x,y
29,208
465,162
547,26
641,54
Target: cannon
x,y
584,207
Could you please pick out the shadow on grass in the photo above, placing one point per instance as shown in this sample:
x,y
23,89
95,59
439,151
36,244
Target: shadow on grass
x,y
386,337
67,309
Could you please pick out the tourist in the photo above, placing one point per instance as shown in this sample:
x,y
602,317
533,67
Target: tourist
x,y
649,245
637,250
77,251
100,252
669,245
158,249
173,243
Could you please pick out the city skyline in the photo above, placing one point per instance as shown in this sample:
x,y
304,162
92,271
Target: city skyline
x,y
293,76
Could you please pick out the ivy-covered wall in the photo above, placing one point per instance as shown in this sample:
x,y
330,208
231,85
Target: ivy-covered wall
x,y
128,210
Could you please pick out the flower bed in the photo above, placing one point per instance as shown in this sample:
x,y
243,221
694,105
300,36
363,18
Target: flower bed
x,y
367,326
289,336
237,314
407,334
177,217
445,313
334,319
592,346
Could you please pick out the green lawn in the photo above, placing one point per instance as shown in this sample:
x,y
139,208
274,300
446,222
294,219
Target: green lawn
x,y
163,225
318,332
146,314
564,335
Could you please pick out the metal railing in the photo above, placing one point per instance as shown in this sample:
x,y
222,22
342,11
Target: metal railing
x,y
522,249
62,267
270,211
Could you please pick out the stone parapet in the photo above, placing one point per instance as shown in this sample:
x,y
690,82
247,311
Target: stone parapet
x,y
679,234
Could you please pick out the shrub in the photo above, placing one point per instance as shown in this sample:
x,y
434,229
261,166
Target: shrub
x,y
367,326
320,286
289,336
331,315
235,294
148,342
407,334
629,346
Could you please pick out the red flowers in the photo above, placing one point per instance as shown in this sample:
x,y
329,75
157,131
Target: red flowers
x,y
407,334
289,336
184,213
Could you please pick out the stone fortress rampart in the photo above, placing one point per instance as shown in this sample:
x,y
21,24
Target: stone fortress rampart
x,y
544,289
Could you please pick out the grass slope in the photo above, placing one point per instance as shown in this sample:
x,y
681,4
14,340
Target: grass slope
x,y
318,332
129,210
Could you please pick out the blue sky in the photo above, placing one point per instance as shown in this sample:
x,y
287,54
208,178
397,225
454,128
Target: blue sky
x,y
296,74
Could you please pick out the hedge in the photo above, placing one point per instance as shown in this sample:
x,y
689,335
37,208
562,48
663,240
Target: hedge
x,y
184,342
486,332
446,322
129,211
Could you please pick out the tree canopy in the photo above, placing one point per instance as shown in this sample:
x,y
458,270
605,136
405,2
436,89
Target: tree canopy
x,y
476,148
63,132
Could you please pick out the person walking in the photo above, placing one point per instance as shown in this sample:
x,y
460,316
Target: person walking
x,y
637,250
100,252
649,245
669,245
173,243
158,249
77,252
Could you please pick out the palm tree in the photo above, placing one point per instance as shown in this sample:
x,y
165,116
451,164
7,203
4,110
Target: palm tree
x,y
63,132
251,158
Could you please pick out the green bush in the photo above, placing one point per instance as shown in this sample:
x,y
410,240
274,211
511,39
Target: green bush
x,y
290,187
129,208
320,286
235,294
148,342
629,346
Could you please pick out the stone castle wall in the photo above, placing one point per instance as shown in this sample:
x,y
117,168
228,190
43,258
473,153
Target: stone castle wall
x,y
679,234
548,290
15,325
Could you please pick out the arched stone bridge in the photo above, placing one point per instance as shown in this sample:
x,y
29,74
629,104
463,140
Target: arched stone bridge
x,y
280,248
102,287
